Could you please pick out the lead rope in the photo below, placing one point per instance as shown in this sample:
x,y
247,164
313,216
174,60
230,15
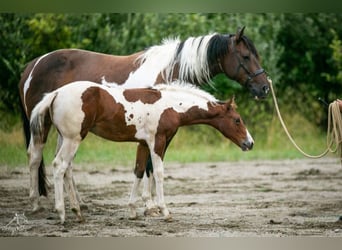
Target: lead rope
x,y
334,130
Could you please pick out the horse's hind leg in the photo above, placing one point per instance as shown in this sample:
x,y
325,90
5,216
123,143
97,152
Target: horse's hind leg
x,y
35,153
143,153
61,163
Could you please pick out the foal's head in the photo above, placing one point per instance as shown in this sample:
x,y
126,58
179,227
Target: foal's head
x,y
231,125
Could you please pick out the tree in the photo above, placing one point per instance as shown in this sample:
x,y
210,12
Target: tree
x,y
307,61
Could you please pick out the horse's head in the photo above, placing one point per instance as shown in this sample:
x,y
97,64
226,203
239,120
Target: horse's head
x,y
242,64
231,125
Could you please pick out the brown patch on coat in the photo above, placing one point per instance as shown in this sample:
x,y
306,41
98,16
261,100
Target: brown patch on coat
x,y
103,118
148,96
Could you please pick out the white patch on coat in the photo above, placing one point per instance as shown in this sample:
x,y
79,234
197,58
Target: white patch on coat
x,y
29,78
249,137
69,120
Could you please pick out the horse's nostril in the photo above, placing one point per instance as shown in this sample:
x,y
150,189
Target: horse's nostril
x,y
266,89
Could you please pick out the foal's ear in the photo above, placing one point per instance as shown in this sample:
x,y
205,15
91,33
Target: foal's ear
x,y
239,34
231,103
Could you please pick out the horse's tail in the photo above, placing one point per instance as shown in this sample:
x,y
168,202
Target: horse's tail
x,y
39,117
42,180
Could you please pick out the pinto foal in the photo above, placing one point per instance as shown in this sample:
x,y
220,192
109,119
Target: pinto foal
x,y
149,116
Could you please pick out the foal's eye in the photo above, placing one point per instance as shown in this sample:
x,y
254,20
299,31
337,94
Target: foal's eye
x,y
237,121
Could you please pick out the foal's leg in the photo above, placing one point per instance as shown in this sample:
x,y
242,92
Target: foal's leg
x,y
151,206
61,163
149,184
133,198
35,154
158,174
74,203
141,158
80,201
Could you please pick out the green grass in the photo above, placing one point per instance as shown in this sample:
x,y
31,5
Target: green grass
x,y
191,144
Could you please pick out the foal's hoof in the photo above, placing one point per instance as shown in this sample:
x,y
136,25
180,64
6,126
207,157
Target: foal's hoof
x,y
153,212
37,210
80,219
133,217
78,214
168,218
83,206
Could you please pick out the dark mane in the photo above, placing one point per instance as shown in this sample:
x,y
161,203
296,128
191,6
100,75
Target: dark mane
x,y
218,47
250,46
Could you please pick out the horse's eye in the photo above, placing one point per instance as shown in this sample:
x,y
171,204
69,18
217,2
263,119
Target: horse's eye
x,y
237,121
245,58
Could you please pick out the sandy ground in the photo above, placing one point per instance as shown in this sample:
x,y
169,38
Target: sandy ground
x,y
254,198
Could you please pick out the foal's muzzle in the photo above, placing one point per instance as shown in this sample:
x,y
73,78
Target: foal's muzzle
x,y
248,143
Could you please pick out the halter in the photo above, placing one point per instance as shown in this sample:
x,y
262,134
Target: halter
x,y
241,65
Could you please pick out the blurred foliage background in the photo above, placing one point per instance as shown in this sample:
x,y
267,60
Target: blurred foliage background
x,y
301,52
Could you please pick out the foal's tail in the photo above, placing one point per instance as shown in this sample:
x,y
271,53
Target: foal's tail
x,y
39,118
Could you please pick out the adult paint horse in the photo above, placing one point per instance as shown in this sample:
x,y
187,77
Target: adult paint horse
x,y
195,60
150,116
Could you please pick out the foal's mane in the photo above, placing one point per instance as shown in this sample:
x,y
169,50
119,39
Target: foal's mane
x,y
185,87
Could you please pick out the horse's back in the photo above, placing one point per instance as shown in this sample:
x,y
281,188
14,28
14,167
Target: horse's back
x,y
55,69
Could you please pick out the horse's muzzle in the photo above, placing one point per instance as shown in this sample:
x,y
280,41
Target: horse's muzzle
x,y
260,92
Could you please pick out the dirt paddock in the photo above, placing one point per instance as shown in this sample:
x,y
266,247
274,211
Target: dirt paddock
x,y
253,198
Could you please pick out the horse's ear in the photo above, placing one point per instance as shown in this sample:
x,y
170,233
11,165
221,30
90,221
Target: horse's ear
x,y
239,34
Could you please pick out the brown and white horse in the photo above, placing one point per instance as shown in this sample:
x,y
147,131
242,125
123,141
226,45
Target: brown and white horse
x,y
195,60
150,116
